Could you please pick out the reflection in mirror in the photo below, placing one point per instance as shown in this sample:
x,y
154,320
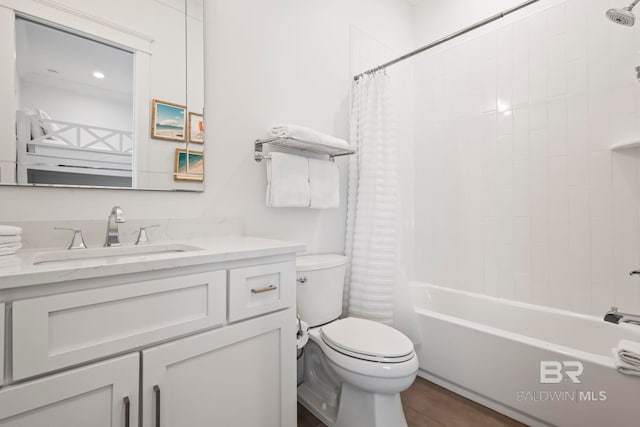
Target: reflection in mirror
x,y
74,118
78,80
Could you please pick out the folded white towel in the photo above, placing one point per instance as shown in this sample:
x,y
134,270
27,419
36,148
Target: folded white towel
x,y
10,246
287,181
307,134
324,181
10,239
627,357
9,230
630,352
9,260
11,251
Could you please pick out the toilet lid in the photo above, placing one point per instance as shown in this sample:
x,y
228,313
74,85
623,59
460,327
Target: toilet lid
x,y
368,340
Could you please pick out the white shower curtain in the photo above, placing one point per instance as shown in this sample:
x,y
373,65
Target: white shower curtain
x,y
372,209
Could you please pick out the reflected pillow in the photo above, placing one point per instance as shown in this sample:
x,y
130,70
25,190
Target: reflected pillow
x,y
48,127
35,123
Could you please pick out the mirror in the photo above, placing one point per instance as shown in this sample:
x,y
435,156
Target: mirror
x,y
104,94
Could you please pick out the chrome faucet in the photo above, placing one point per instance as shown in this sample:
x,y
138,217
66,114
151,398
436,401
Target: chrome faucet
x,y
116,217
614,316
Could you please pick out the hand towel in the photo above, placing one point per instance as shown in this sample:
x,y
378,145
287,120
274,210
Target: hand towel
x,y
627,357
307,134
324,182
287,181
8,230
10,239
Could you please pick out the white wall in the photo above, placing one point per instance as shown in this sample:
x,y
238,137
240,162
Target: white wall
x,y
267,62
519,195
75,106
283,61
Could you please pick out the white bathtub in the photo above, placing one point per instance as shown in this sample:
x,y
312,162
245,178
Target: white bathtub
x,y
490,350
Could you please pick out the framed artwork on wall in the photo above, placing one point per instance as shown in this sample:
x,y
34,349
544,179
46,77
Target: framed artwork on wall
x,y
189,165
168,121
196,128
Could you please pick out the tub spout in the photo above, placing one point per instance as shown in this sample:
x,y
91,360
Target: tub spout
x,y
614,316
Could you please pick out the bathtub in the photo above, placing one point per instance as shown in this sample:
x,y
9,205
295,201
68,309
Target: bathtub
x,y
491,350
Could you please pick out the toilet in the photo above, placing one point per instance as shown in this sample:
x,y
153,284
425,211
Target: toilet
x,y
353,369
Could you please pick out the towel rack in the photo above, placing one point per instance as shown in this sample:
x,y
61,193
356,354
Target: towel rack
x,y
301,145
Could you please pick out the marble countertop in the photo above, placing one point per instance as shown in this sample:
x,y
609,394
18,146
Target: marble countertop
x,y
19,270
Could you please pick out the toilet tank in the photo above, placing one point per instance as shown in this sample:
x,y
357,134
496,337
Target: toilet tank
x,y
319,287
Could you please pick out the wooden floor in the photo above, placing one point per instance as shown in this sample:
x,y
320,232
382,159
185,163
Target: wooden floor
x,y
426,405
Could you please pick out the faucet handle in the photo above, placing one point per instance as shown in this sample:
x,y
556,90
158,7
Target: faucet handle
x,y
77,242
142,234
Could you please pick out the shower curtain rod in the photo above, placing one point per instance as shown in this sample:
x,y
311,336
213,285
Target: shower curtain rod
x,y
449,37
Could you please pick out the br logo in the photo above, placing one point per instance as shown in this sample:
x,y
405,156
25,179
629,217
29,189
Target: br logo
x,y
553,372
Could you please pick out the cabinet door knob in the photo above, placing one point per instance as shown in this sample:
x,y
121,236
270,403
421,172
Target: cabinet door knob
x,y
302,279
156,391
127,411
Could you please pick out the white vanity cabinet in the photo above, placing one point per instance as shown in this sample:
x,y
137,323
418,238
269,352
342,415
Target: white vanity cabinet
x,y
238,376
104,394
202,341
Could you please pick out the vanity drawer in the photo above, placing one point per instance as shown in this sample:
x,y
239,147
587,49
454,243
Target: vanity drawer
x,y
56,331
261,289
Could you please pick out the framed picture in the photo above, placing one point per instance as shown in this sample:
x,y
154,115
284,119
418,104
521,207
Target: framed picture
x,y
168,121
196,128
189,165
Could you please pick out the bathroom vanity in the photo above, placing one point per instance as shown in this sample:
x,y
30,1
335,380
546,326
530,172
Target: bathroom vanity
x,y
180,334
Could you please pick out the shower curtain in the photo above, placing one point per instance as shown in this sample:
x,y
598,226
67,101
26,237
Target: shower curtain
x,y
372,208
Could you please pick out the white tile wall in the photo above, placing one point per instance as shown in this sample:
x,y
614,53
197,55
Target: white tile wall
x,y
518,194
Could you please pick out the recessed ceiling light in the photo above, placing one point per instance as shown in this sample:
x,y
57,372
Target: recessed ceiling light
x,y
98,75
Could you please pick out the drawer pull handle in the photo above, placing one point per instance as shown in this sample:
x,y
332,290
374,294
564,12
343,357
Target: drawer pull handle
x,y
127,411
263,290
156,391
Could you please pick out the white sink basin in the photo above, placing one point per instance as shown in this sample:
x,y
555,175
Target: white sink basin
x,y
110,255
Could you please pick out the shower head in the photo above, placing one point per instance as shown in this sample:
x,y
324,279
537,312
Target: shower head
x,y
623,16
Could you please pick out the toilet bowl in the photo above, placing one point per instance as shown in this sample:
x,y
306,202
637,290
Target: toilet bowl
x,y
354,369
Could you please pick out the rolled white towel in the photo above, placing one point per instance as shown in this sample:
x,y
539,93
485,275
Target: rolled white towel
x,y
627,357
10,239
9,230
308,134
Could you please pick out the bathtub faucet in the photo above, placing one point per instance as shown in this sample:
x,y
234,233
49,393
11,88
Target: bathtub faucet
x,y
614,316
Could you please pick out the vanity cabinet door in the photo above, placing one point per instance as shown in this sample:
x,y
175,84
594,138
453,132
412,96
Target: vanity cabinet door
x,y
92,396
239,376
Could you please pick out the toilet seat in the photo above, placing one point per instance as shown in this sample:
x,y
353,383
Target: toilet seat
x,y
367,340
